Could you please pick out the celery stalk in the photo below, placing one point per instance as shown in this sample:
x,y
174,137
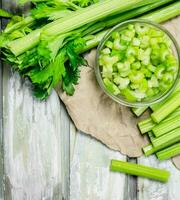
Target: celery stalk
x,y
147,124
166,140
98,37
148,150
167,108
139,111
166,126
75,20
165,14
151,136
140,170
169,152
158,105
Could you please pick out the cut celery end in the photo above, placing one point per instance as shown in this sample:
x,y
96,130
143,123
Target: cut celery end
x,y
148,150
139,111
140,170
146,125
169,152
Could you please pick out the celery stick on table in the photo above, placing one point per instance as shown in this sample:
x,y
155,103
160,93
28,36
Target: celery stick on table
x,y
140,170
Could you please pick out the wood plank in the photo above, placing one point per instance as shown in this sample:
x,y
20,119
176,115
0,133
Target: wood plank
x,y
35,161
1,134
152,190
90,175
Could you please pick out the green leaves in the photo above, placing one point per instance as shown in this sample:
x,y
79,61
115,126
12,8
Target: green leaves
x,y
4,13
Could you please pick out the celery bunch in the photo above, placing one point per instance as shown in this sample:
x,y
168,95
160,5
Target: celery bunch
x,y
45,45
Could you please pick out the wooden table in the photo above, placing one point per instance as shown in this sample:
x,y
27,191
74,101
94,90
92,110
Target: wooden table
x,y
43,156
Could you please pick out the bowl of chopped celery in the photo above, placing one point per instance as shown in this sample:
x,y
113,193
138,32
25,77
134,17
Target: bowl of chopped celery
x,y
137,63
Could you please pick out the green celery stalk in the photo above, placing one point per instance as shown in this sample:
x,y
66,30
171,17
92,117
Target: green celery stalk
x,y
28,21
156,106
98,37
148,150
169,152
140,170
75,20
151,136
147,124
167,108
164,14
166,126
167,139
139,111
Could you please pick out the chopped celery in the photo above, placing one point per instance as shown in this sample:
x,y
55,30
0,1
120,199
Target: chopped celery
x,y
167,108
169,152
151,136
166,140
140,170
143,68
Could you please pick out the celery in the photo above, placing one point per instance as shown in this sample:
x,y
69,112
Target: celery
x,y
151,136
73,21
169,152
166,140
158,105
167,108
147,124
140,170
139,111
148,150
166,126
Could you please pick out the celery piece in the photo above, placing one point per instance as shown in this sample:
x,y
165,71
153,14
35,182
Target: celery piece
x,y
167,139
148,150
158,105
169,152
167,108
146,125
139,111
151,136
140,170
166,126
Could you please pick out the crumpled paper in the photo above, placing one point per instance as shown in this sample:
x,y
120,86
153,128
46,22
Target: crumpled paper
x,y
94,113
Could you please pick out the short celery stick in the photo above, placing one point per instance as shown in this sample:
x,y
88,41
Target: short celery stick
x,y
166,126
139,111
169,152
148,150
156,106
151,136
166,140
147,124
140,170
167,108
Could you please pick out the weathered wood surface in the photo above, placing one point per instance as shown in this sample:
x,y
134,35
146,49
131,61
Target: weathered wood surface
x,y
39,146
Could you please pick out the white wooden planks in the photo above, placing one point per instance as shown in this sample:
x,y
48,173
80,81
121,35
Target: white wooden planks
x,y
151,190
90,175
36,144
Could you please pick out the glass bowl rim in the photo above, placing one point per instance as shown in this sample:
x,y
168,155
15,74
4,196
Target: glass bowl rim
x,y
126,102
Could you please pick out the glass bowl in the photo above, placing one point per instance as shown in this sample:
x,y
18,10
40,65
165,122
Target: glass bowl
x,y
120,98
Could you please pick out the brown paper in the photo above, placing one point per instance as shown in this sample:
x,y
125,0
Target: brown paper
x,y
94,113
